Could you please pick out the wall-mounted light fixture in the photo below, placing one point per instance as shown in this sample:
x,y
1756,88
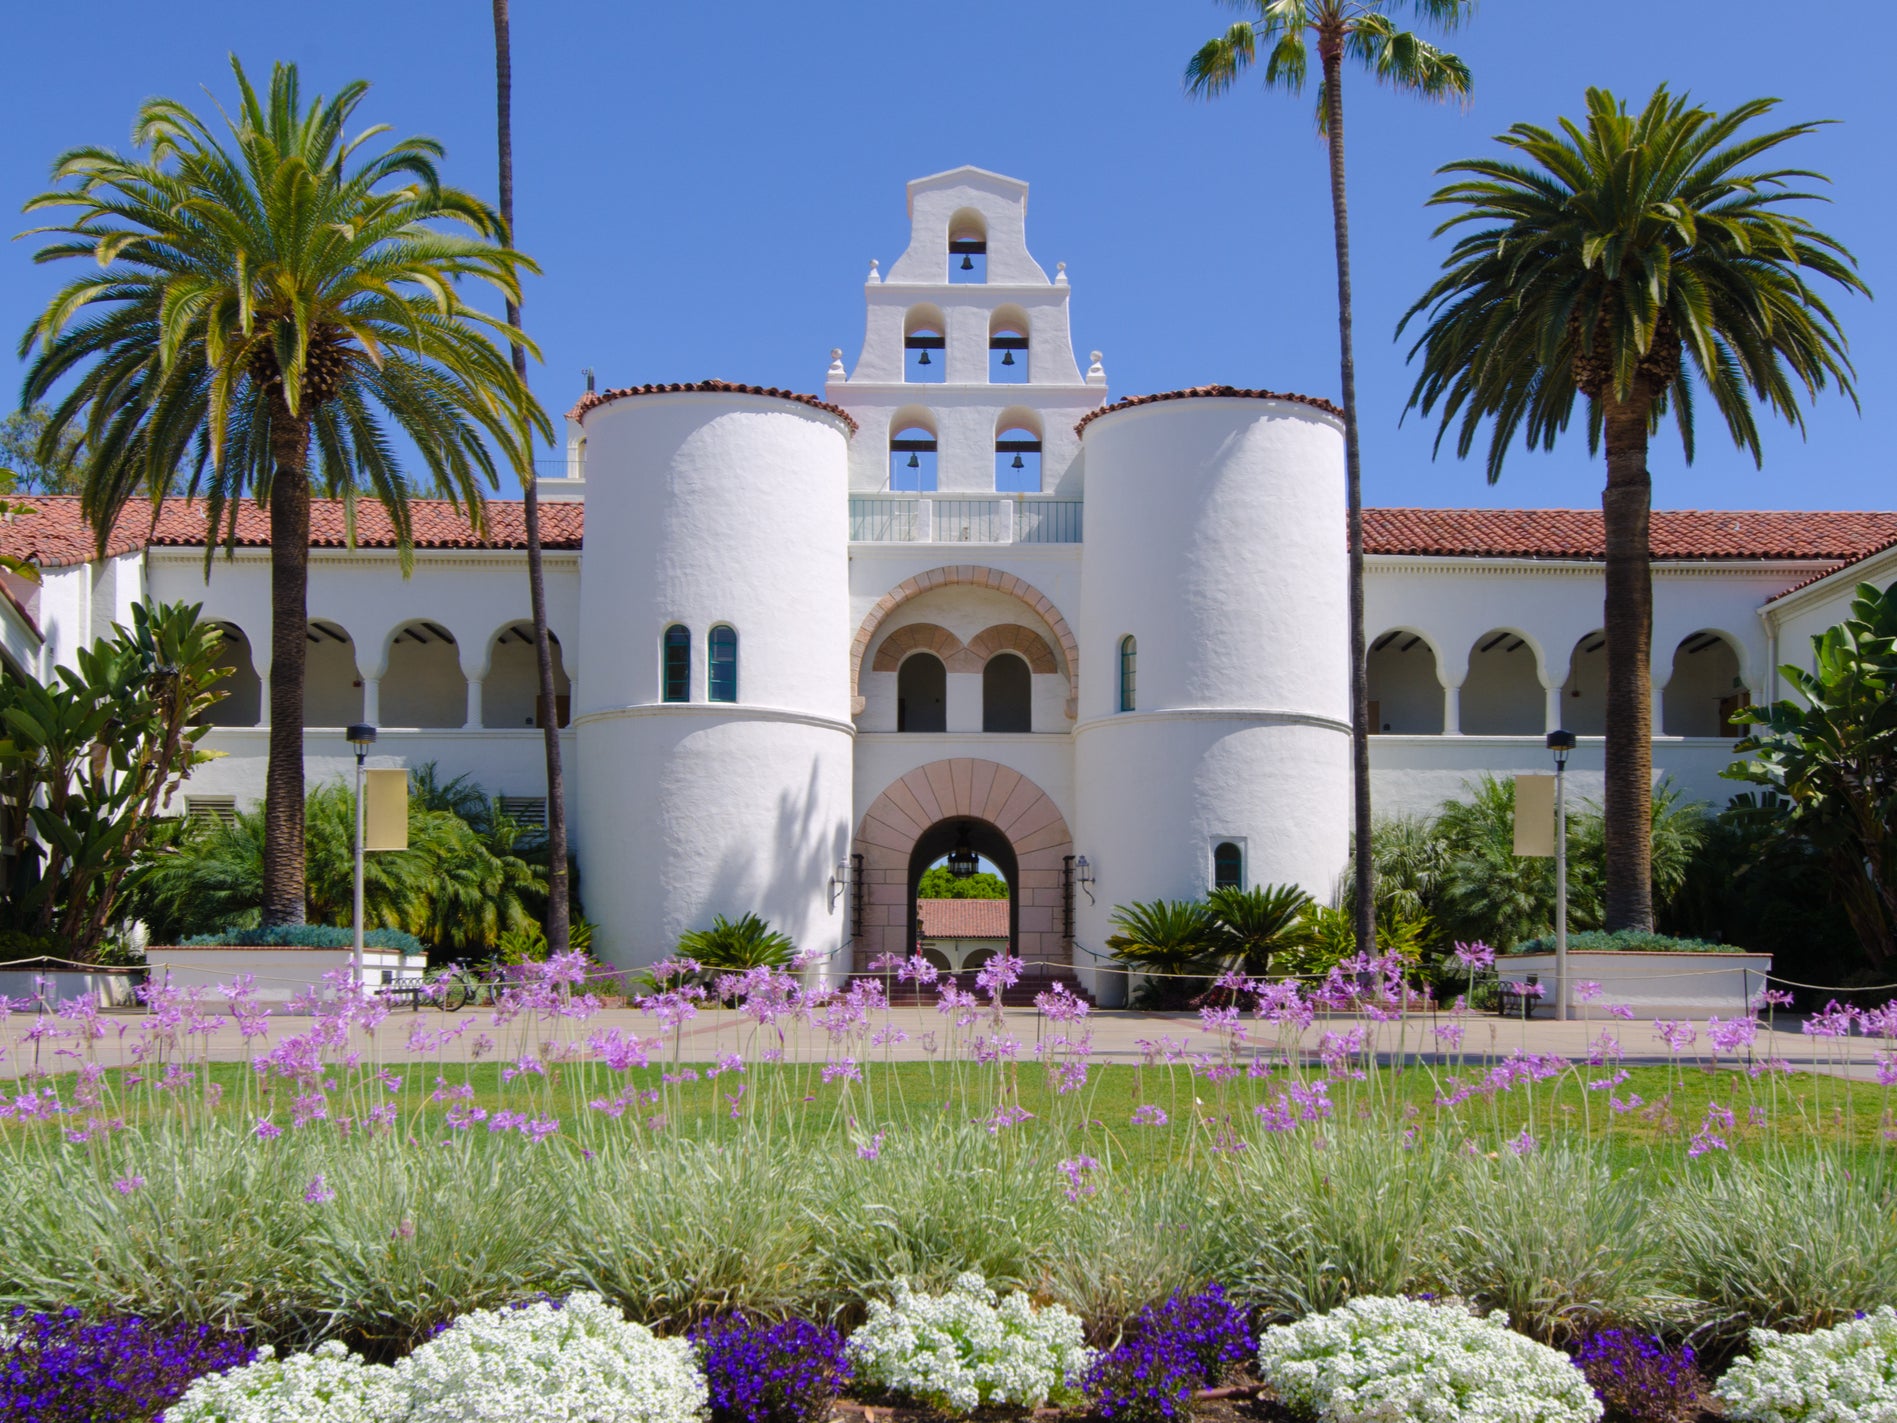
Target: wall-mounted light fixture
x,y
839,881
1083,876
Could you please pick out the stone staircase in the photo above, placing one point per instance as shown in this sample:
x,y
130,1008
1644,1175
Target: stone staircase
x,y
1019,995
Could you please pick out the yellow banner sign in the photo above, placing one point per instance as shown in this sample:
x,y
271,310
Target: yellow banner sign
x,y
1534,815
385,810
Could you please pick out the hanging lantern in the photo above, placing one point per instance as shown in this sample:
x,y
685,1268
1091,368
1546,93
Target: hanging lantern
x,y
1007,358
962,863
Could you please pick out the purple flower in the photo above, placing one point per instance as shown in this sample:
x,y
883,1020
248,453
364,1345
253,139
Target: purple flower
x,y
777,1373
1075,1169
125,1185
62,1368
1639,1378
1150,1115
1474,957
318,1193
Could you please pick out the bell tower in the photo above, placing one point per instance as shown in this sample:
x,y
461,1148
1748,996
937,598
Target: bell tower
x,y
967,381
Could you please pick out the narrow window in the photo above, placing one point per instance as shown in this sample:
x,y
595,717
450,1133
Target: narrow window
x,y
1007,694
922,693
1228,865
722,648
678,663
1129,659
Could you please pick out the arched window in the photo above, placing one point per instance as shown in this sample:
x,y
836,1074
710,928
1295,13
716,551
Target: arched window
x,y
1008,346
721,648
1228,865
678,663
922,693
968,247
1007,694
1129,667
1017,459
912,459
924,345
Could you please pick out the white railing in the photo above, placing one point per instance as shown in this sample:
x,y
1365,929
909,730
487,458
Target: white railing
x,y
941,518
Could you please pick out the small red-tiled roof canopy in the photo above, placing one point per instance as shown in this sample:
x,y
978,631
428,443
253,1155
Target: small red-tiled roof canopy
x,y
962,918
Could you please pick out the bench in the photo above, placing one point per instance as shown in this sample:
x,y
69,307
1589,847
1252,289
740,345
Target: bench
x,y
1517,1000
413,986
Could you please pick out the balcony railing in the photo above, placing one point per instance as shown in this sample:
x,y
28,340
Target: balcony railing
x,y
935,518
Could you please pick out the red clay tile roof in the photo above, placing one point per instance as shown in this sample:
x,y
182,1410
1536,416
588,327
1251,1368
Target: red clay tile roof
x,y
1200,392
962,918
1675,533
1824,573
55,535
592,400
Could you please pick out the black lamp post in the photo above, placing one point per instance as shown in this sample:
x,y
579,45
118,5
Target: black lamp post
x,y
361,736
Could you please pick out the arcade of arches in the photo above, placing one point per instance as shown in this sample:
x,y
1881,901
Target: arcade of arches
x,y
1008,819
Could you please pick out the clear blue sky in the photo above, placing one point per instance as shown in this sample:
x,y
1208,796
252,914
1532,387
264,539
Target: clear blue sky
x,y
704,184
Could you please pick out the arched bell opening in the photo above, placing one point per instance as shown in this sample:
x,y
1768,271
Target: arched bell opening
x,y
924,345
968,248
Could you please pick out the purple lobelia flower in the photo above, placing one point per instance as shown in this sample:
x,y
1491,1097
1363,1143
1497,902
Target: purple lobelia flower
x,y
1640,1379
1171,1350
63,1368
771,1373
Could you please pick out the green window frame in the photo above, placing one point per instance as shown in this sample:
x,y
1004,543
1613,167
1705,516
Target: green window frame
x,y
721,655
1228,865
676,662
1129,668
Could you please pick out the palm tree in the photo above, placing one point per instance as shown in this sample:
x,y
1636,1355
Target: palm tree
x,y
1600,256
1361,29
1173,942
1254,924
261,308
733,946
558,907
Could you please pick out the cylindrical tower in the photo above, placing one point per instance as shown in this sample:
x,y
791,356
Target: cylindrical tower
x,y
1213,738
713,718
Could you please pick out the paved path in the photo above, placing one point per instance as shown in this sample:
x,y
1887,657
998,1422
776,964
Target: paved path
x,y
1117,1035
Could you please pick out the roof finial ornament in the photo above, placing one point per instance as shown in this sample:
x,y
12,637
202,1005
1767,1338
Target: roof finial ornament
x,y
1096,374
836,371
1060,274
875,277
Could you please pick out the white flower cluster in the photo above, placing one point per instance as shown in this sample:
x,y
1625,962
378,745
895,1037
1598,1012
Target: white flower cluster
x,y
1379,1360
961,1350
1846,1374
579,1363
330,1385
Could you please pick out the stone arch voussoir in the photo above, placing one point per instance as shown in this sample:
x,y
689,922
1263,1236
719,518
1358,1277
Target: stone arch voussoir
x,y
967,575
1012,637
917,637
974,789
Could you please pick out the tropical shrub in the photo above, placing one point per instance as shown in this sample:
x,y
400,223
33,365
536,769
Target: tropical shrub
x,y
98,754
1831,752
771,1373
1845,1374
577,1361
1174,942
1640,1380
1624,941
968,1349
328,1385
307,936
733,946
1420,1361
63,1368
1258,926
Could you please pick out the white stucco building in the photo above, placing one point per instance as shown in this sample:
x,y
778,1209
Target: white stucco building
x,y
811,643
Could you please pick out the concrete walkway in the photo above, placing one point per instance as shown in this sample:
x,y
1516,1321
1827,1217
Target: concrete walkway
x,y
1116,1036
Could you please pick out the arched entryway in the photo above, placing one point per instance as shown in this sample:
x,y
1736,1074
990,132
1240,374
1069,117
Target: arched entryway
x,y
921,816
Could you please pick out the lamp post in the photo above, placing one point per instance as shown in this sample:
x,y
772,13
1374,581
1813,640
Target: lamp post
x,y
361,736
1561,743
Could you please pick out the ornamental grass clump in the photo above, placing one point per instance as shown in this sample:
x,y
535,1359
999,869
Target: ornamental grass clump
x,y
969,1349
790,1372
330,1385
1400,1360
63,1368
580,1361
1845,1374
1641,1380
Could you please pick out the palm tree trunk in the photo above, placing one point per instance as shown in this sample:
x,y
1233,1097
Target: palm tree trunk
x,y
1364,916
558,907
283,877
1625,506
